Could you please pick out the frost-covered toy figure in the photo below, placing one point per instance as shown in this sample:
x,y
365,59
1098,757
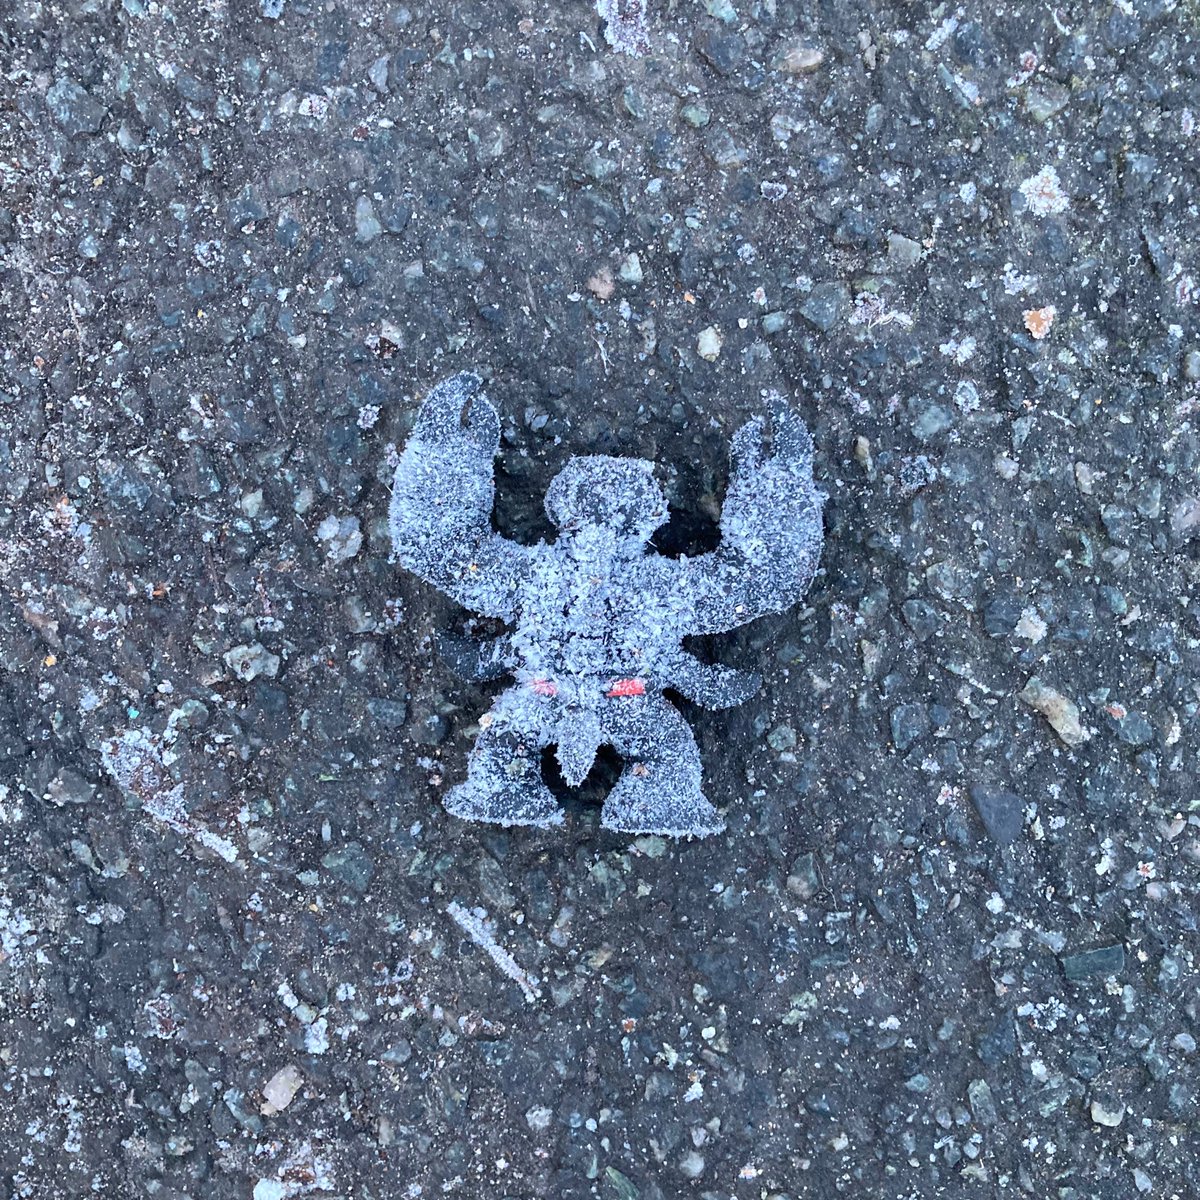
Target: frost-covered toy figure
x,y
598,616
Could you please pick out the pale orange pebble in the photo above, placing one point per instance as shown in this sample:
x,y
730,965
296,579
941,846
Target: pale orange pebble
x,y
601,284
1039,320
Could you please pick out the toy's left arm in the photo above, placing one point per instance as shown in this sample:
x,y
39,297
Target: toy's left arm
x,y
442,499
771,533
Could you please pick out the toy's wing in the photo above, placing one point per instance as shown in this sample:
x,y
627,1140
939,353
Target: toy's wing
x,y
771,533
442,498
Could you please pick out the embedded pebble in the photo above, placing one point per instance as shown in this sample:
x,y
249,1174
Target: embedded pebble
x,y
709,343
280,1090
1061,713
367,226
74,109
250,661
798,59
1107,1110
1000,811
342,537
826,305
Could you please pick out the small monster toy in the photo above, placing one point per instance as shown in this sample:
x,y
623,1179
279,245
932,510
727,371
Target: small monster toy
x,y
598,616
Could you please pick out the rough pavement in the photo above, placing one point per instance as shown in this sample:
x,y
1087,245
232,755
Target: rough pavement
x,y
947,946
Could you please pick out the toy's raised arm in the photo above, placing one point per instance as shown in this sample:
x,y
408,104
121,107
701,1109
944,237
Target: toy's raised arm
x,y
771,531
442,499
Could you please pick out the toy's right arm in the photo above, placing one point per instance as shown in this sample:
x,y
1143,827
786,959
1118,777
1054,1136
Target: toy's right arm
x,y
771,532
442,498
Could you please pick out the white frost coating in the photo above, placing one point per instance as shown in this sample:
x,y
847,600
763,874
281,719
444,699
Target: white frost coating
x,y
16,932
476,926
625,25
599,618
1044,193
135,761
305,1171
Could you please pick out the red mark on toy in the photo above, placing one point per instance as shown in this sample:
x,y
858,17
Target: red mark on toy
x,y
544,687
627,687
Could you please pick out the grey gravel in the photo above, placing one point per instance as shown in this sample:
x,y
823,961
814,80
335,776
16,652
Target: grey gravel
x,y
903,253
1103,960
1000,811
73,108
367,226
826,305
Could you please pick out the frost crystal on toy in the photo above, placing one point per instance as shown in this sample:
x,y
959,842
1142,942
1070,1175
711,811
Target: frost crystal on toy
x,y
598,617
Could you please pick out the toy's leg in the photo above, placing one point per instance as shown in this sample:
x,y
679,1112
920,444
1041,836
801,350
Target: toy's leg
x,y
504,779
659,790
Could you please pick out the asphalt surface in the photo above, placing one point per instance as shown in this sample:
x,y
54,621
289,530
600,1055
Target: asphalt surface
x,y
947,944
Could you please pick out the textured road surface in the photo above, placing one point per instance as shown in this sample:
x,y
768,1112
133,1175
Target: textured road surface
x,y
947,947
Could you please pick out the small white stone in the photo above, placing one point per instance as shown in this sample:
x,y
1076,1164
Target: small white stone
x,y
281,1089
709,343
1106,1114
251,503
798,59
378,74
316,1037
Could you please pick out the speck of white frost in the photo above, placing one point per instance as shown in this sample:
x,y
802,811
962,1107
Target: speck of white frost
x,y
942,33
871,309
135,761
475,925
133,1059
625,25
316,1036
1016,284
538,1118
15,932
1031,626
960,350
1044,193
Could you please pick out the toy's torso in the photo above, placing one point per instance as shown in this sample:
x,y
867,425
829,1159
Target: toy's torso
x,y
596,627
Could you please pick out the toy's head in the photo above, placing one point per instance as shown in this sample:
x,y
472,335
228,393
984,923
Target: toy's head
x,y
614,496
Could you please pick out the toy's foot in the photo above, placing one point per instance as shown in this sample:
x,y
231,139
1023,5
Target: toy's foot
x,y
640,805
503,804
